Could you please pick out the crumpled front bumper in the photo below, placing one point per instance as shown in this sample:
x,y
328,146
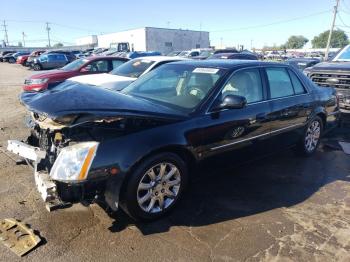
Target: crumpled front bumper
x,y
45,185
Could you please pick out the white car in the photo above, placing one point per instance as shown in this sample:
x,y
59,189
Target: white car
x,y
125,74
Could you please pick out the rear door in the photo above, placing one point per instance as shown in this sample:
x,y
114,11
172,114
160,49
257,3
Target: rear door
x,y
61,60
290,103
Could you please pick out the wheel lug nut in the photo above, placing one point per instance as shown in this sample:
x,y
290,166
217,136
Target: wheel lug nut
x,y
163,191
156,193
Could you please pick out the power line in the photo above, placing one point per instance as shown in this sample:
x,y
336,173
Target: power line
x,y
270,24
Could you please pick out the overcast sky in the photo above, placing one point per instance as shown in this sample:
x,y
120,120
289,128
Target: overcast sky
x,y
256,22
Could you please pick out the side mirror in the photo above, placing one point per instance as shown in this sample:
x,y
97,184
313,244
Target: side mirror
x,y
231,102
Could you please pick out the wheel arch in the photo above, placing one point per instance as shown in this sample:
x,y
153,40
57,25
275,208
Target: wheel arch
x,y
185,154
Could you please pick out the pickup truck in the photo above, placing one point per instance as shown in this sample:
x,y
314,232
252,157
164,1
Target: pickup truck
x,y
334,73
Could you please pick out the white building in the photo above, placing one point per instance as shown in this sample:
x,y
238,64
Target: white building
x,y
156,39
87,40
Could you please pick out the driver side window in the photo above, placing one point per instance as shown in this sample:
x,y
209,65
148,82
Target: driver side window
x,y
246,83
97,66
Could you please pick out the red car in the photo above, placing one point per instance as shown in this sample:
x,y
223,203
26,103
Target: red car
x,y
83,66
22,59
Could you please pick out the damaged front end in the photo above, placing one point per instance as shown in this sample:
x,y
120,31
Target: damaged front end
x,y
70,143
62,150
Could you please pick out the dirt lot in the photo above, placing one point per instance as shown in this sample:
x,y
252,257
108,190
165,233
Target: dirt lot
x,y
282,208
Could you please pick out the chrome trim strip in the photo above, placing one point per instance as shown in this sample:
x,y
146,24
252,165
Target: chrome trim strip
x,y
333,113
254,137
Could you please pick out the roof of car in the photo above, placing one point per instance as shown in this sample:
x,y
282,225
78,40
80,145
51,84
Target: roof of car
x,y
91,58
226,64
162,58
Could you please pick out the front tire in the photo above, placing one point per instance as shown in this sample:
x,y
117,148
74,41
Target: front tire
x,y
12,60
155,187
311,137
36,67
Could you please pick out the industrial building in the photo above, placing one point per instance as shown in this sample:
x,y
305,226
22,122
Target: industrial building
x,y
152,39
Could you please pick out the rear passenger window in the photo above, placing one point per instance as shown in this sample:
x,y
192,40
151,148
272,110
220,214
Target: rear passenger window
x,y
298,86
280,83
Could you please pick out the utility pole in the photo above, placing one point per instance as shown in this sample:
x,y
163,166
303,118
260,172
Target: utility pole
x,y
5,30
48,33
331,30
23,36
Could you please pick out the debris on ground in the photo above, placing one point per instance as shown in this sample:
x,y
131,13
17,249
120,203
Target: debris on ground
x,y
18,237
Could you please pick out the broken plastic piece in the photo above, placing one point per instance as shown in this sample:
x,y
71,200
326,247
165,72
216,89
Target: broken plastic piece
x,y
17,236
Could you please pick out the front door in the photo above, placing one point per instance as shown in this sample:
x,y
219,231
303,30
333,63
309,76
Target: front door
x,y
228,130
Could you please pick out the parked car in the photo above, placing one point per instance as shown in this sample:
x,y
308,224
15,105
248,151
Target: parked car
x,y
227,50
3,53
127,73
334,73
51,61
134,149
22,59
11,58
302,63
174,53
240,56
204,55
32,56
84,66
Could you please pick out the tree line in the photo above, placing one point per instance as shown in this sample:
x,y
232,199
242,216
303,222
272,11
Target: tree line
x,y
339,39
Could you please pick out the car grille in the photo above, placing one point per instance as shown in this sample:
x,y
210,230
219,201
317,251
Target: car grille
x,y
337,80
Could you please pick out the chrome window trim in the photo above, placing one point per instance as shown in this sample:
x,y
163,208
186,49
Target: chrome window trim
x,y
267,86
254,137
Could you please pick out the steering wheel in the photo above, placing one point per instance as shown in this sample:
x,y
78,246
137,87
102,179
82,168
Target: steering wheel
x,y
197,92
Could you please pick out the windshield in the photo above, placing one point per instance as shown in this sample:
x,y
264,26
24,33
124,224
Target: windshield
x,y
134,68
206,53
75,65
184,53
182,87
343,55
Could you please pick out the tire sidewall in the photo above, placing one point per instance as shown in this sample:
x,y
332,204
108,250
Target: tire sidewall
x,y
129,199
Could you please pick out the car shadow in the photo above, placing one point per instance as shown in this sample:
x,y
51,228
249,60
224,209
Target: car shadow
x,y
225,189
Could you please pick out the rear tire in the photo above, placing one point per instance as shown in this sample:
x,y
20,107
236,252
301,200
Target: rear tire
x,y
155,187
311,138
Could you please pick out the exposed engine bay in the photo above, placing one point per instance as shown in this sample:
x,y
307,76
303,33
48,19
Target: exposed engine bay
x,y
53,135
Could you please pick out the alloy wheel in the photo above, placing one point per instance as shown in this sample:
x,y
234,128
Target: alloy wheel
x,y
312,137
159,187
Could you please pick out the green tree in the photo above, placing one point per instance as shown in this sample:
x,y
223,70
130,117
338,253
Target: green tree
x,y
296,42
339,39
57,45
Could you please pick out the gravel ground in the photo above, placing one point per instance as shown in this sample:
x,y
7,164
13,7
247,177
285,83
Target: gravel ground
x,y
282,208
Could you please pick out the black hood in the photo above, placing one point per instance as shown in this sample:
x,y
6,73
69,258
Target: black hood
x,y
78,99
325,66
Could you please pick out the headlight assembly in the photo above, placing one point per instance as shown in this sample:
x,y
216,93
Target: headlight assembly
x,y
36,81
73,162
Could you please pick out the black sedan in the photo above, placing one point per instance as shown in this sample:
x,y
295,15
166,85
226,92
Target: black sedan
x,y
134,148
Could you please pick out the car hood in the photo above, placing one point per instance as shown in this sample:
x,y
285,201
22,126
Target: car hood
x,y
51,73
324,66
108,81
71,98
